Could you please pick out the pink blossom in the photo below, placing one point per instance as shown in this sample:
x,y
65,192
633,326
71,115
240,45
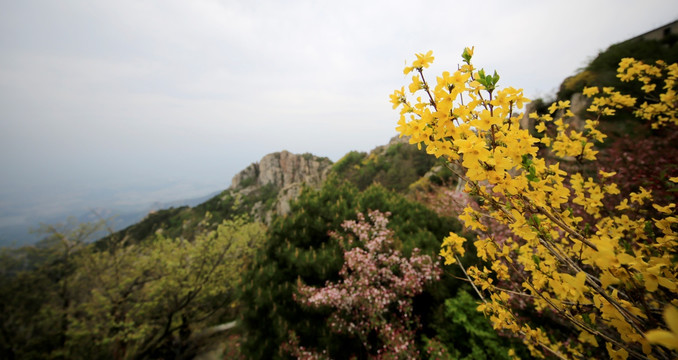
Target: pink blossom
x,y
376,290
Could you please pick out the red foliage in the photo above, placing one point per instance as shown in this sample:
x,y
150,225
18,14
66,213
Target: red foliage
x,y
646,162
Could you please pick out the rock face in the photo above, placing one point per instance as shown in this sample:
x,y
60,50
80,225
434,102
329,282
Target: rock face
x,y
282,169
285,171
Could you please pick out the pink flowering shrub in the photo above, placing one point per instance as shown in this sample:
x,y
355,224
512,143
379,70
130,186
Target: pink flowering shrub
x,y
373,301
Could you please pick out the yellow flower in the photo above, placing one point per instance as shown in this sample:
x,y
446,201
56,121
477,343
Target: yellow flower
x,y
398,97
642,196
620,354
423,60
608,279
484,248
590,91
540,127
473,150
485,121
653,278
623,205
469,217
664,209
415,85
578,284
648,88
609,112
455,242
625,63
448,255
553,108
587,337
665,338
606,174
469,51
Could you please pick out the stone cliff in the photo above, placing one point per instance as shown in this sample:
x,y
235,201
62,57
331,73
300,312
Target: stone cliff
x,y
284,171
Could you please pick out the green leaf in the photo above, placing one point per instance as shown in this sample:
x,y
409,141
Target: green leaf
x,y
466,56
536,259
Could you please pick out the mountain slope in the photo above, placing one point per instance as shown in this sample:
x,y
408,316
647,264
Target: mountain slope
x,y
260,190
265,188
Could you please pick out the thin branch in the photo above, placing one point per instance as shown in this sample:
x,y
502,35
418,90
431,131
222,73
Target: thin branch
x,y
469,279
564,226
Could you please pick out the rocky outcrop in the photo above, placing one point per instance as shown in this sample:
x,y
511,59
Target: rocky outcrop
x,y
284,171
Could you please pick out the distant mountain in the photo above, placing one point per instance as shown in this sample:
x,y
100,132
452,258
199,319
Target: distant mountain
x,y
261,190
20,231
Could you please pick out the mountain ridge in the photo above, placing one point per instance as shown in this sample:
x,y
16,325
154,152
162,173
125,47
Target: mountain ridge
x,y
265,188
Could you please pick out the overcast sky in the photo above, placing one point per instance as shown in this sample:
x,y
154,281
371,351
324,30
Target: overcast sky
x,y
168,99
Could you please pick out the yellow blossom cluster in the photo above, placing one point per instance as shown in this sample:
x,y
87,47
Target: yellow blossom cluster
x,y
659,85
609,276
